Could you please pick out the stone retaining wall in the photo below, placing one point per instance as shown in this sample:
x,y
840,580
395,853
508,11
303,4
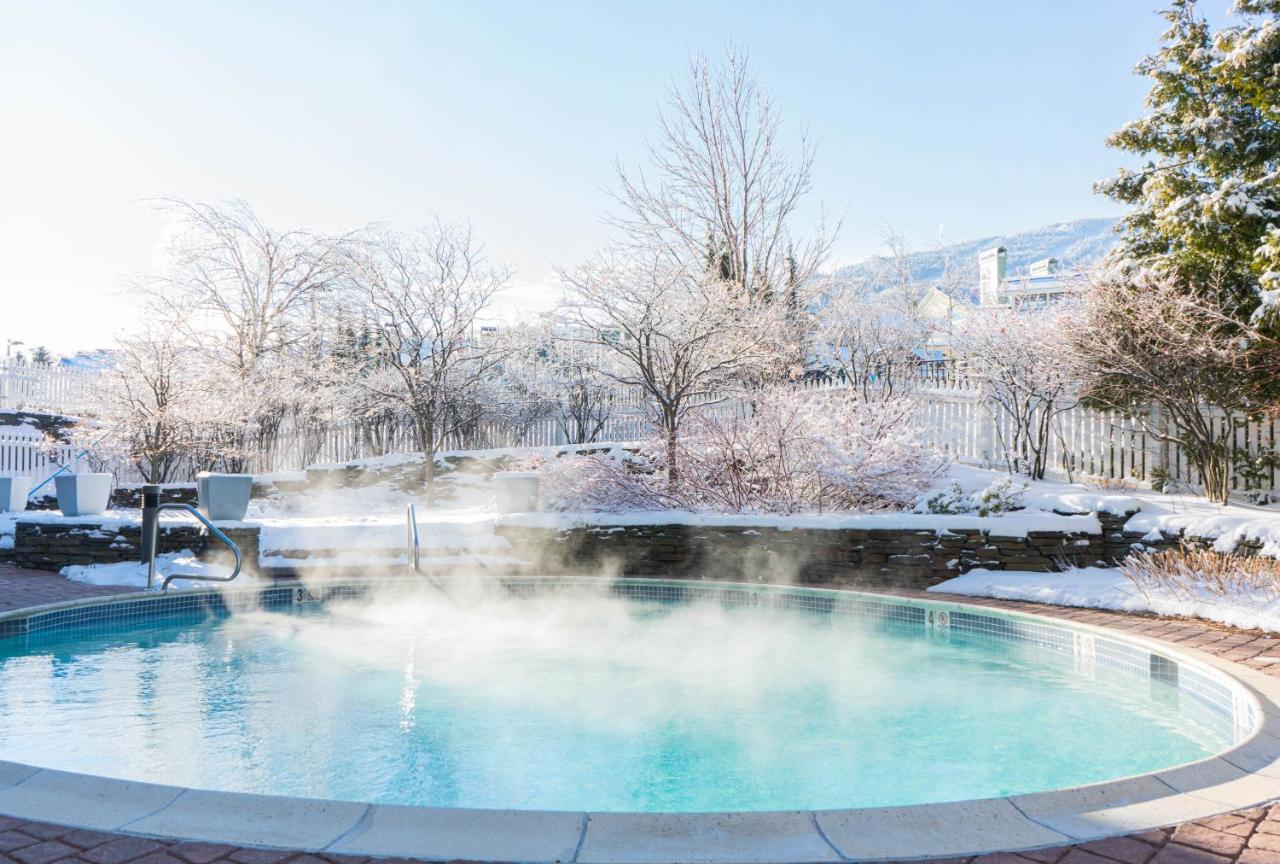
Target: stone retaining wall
x,y
129,497
54,545
122,497
817,556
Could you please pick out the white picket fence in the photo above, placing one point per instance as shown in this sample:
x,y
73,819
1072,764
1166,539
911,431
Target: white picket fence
x,y
1082,442
347,442
59,389
25,452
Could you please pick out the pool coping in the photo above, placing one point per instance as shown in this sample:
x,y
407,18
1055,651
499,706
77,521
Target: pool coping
x,y
1245,775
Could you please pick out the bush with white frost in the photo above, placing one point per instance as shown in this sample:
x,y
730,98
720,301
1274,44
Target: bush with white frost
x,y
1001,496
788,452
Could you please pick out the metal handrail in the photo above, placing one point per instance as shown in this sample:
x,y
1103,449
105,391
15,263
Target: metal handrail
x,y
411,538
213,529
415,552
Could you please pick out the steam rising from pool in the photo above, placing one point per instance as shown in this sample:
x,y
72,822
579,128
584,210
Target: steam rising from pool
x,y
585,700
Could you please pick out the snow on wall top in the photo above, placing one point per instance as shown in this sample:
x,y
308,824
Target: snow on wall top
x,y
1017,524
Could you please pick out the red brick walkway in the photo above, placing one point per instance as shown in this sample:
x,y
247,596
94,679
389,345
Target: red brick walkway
x,y
20,588
1247,837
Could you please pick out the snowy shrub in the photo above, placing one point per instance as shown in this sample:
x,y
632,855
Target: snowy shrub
x,y
1015,356
1001,496
791,451
1111,484
1162,481
609,482
1254,470
1189,572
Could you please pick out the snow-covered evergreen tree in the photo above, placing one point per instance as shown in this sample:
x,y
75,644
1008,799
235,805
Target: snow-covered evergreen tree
x,y
1207,201
1187,317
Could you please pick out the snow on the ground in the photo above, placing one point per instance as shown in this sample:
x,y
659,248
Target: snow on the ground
x,y
7,529
369,518
1169,515
1107,588
134,574
437,529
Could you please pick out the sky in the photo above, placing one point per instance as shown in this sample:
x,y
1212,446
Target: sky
x,y
973,119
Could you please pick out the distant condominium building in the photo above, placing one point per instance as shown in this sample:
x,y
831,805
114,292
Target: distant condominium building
x,y
1044,282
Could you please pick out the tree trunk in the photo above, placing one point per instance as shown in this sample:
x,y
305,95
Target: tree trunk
x,y
670,430
1215,473
426,427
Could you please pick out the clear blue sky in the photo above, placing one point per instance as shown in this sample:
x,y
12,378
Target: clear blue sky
x,y
977,117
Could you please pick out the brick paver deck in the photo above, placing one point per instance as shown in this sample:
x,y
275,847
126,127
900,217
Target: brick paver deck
x,y
20,588
1246,837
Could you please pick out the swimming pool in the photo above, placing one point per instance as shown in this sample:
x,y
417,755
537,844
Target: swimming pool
x,y
648,698
596,712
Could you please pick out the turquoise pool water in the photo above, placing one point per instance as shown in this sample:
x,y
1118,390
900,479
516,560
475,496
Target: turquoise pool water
x,y
584,703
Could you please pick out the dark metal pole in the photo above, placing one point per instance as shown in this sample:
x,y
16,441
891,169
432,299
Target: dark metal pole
x,y
150,521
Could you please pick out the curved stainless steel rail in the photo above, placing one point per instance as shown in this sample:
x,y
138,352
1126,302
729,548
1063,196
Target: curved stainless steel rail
x,y
213,529
411,538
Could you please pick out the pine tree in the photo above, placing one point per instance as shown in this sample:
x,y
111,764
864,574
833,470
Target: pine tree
x,y
1207,202
41,356
1187,316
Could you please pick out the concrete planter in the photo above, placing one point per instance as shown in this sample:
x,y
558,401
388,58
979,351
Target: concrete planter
x,y
13,494
83,494
515,491
224,497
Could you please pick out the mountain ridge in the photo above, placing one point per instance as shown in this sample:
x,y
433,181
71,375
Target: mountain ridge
x,y
1076,244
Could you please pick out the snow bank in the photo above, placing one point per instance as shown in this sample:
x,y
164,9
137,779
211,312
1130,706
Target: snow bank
x,y
1107,588
1156,512
436,529
134,574
8,523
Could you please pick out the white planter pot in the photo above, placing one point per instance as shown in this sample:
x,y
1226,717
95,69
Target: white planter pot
x,y
13,494
224,497
515,491
83,494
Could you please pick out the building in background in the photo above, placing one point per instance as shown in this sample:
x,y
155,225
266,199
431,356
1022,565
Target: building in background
x,y
1045,282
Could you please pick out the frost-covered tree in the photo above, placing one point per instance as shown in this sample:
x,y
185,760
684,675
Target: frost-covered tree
x,y
871,341
242,288
586,395
552,375
247,299
1201,368
424,293
1187,314
795,451
721,189
150,396
1018,360
677,336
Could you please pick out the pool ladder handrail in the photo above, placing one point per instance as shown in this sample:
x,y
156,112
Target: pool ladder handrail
x,y
213,530
411,538
415,554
